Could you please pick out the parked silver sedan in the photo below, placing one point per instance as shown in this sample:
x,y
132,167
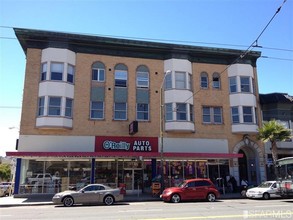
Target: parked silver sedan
x,y
92,193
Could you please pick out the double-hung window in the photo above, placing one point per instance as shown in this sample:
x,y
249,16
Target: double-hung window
x,y
57,71
44,71
181,112
245,84
142,77
70,73
120,111
168,112
168,81
247,114
54,108
233,84
121,75
216,80
235,115
204,80
97,110
212,115
68,107
142,112
180,80
41,106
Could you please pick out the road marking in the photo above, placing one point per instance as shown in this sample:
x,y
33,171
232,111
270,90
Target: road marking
x,y
143,210
265,206
242,216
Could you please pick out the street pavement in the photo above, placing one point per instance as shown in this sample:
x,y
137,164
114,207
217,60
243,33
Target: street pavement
x,y
46,199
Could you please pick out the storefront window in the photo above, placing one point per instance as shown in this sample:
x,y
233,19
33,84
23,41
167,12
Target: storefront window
x,y
39,176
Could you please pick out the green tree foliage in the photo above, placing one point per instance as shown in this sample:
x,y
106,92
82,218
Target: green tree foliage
x,y
273,132
5,171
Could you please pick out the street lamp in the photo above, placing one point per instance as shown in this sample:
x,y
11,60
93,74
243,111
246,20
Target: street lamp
x,y
162,104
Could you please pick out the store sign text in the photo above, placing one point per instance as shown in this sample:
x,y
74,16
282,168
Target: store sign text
x,y
141,146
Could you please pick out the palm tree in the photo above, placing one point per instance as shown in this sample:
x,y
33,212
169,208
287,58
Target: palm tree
x,y
273,132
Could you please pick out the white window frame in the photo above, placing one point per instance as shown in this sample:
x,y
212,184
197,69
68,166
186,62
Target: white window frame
x,y
68,109
41,106
232,84
248,115
181,112
99,75
121,75
204,84
120,112
99,111
180,80
54,108
54,74
169,111
142,79
211,115
235,114
70,73
44,71
143,112
244,87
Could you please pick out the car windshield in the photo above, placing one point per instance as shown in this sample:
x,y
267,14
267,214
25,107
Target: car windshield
x,y
265,185
181,185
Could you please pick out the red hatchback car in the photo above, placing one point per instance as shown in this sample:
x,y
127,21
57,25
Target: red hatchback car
x,y
191,189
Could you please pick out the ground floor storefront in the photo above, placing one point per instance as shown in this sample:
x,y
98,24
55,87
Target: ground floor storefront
x,y
133,163
52,175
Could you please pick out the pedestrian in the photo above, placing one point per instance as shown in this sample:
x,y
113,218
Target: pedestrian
x,y
233,182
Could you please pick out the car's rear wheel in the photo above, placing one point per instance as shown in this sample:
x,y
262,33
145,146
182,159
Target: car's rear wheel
x,y
68,201
175,198
211,197
109,200
266,196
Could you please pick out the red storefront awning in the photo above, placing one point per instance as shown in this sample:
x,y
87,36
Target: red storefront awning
x,y
121,154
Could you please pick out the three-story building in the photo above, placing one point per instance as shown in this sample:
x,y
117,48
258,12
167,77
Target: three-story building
x,y
122,112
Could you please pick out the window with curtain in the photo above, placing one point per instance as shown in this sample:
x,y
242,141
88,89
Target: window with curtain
x,y
120,75
142,77
70,73
180,80
57,71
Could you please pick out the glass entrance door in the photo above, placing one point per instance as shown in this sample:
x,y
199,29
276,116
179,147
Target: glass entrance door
x,y
133,180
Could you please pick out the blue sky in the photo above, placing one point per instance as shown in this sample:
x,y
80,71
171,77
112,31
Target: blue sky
x,y
234,24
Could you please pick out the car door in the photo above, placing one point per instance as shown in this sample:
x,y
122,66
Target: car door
x,y
89,194
202,187
189,191
273,190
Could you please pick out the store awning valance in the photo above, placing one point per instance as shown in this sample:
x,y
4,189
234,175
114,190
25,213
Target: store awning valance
x,y
121,154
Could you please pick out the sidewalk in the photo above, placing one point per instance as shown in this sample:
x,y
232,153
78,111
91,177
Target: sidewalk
x,y
46,199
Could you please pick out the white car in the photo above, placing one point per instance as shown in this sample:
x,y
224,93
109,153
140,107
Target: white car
x,y
266,190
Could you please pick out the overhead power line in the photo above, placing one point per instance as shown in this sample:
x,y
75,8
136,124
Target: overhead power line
x,y
252,45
